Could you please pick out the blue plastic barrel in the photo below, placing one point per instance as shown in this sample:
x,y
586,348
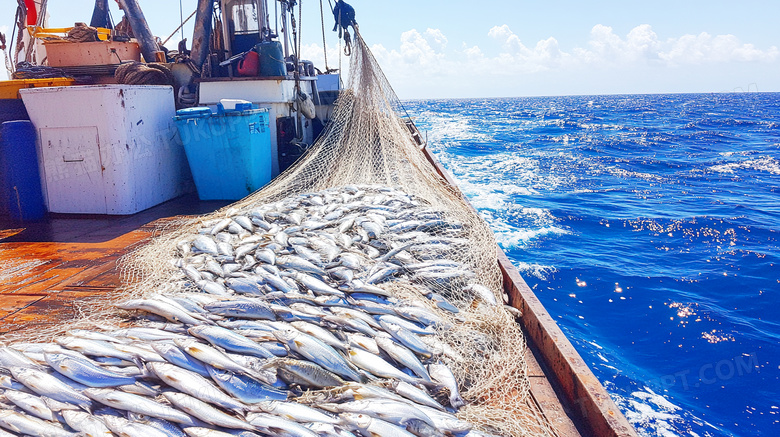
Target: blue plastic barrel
x,y
12,109
229,153
22,195
271,59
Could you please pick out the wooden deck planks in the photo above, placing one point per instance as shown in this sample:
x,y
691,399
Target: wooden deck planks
x,y
44,282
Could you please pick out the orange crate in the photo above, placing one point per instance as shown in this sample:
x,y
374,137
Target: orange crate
x,y
9,89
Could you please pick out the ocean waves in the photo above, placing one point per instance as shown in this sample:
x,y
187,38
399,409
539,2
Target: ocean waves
x,y
649,228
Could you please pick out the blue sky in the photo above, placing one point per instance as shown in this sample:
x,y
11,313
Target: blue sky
x,y
440,49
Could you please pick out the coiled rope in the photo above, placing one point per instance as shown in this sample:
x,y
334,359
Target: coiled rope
x,y
26,70
81,32
137,73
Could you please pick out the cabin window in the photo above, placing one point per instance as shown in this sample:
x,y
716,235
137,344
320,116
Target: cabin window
x,y
244,14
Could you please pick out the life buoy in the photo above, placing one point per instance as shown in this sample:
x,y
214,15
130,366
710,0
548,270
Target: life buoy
x,y
32,12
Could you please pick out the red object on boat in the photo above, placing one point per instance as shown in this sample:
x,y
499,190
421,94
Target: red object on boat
x,y
250,65
32,13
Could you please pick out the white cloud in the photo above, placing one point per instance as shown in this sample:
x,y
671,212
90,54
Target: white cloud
x,y
545,55
436,39
642,45
705,48
426,64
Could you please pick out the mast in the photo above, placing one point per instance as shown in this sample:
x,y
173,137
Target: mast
x,y
262,16
100,15
284,27
202,33
141,30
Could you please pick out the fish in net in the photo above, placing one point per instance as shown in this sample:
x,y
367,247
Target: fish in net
x,y
360,237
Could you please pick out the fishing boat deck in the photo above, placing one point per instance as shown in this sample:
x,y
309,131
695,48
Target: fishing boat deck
x,y
50,268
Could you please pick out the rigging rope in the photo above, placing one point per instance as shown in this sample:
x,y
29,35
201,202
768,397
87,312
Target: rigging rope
x,y
300,31
181,19
324,45
180,27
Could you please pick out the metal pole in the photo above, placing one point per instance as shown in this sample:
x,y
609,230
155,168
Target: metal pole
x,y
262,15
100,15
202,33
141,30
284,28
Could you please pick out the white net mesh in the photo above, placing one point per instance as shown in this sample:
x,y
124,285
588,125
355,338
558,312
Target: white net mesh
x,y
367,155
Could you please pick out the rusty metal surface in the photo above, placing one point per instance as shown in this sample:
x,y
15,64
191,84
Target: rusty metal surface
x,y
580,395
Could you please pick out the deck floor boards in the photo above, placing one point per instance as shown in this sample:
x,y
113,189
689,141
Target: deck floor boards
x,y
50,267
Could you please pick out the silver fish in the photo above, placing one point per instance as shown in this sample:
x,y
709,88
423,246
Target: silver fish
x,y
275,281
392,411
26,425
206,412
403,356
138,404
407,338
205,244
443,375
293,262
86,423
243,308
482,292
31,404
375,365
147,334
164,309
85,372
422,429
124,427
49,386
316,286
211,356
212,287
321,333
295,411
13,358
194,431
194,385
279,426
375,427
305,373
406,324
414,394
230,340
318,352
445,422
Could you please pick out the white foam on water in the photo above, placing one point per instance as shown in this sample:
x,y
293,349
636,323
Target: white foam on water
x,y
509,237
536,270
764,163
626,174
653,414
444,127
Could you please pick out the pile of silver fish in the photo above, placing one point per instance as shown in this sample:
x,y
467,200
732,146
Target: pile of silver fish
x,y
283,323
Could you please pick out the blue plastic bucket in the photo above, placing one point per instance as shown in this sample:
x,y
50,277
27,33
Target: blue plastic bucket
x,y
22,196
229,154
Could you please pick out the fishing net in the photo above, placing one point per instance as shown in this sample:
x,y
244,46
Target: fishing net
x,y
368,144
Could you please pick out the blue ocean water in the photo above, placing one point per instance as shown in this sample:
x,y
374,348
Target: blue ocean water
x,y
649,227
